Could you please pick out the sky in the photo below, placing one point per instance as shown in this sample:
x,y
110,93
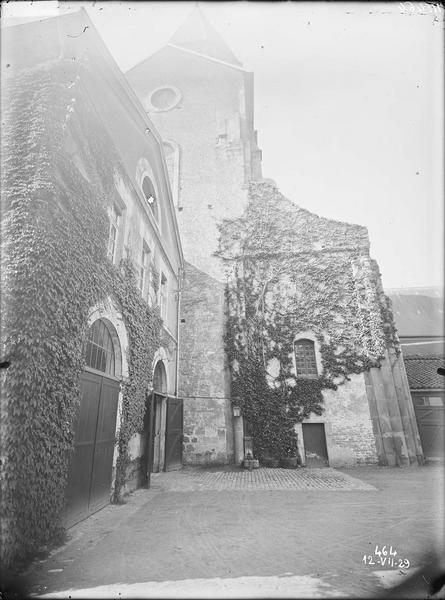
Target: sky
x,y
349,110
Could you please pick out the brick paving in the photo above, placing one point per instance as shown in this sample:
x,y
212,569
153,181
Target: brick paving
x,y
195,479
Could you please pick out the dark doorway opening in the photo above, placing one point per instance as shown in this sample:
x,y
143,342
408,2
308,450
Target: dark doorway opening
x,y
315,448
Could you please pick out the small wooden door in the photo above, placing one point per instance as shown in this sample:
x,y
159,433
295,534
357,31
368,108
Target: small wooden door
x,y
315,448
174,434
90,470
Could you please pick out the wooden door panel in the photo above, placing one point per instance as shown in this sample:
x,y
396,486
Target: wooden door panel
x,y
315,445
104,446
174,434
430,421
147,455
89,475
81,464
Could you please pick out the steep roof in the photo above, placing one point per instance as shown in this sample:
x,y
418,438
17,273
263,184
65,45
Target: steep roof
x,y
197,34
418,311
422,372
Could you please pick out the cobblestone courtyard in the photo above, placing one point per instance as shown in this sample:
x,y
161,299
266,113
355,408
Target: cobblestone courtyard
x,y
265,533
258,479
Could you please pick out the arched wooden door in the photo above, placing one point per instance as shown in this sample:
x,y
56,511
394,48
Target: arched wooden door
x,y
164,446
90,470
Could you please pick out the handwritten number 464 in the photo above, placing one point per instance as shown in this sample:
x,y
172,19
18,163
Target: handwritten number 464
x,y
385,551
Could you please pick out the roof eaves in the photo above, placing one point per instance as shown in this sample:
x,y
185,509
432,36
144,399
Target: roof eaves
x,y
150,125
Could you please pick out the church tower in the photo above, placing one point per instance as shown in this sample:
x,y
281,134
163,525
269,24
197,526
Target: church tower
x,y
200,98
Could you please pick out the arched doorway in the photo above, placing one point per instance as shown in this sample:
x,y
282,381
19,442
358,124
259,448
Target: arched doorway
x,y
90,471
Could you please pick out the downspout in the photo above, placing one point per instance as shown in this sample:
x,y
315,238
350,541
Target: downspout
x,y
178,313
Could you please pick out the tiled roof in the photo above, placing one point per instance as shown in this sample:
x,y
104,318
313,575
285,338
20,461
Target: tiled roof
x,y
422,372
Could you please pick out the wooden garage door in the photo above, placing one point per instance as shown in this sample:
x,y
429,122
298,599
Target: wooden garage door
x,y
89,475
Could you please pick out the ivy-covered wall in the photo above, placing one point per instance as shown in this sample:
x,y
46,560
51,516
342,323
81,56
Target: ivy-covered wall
x,y
290,271
54,270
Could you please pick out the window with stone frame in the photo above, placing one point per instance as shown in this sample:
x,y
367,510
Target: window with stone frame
x,y
149,192
305,359
144,270
115,218
163,297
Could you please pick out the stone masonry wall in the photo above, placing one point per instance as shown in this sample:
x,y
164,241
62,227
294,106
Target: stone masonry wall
x,y
205,431
348,426
203,374
209,126
351,438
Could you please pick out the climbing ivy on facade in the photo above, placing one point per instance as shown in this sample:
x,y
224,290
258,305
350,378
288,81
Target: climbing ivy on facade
x,y
54,270
290,271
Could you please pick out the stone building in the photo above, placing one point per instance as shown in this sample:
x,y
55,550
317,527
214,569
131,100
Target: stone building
x,y
91,263
311,332
201,100
200,97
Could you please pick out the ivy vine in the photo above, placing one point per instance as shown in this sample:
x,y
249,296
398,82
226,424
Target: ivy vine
x,y
54,270
290,271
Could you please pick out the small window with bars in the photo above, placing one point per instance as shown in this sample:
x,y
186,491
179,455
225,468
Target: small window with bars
x,y
305,360
100,348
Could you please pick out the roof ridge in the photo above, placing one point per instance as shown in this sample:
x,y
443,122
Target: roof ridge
x,y
198,34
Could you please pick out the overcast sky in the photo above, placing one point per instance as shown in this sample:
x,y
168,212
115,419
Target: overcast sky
x,y
348,107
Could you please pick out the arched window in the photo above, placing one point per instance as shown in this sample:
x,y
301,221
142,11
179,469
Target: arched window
x,y
305,360
160,378
100,348
150,195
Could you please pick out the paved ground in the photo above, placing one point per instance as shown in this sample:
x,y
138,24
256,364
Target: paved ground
x,y
257,480
265,533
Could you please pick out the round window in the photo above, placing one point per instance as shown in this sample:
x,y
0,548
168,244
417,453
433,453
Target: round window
x,y
164,98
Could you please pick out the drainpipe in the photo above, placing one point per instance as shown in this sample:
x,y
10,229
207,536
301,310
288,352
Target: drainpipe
x,y
178,314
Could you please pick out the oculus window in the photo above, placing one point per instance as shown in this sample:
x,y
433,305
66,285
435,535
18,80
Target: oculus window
x,y
164,98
